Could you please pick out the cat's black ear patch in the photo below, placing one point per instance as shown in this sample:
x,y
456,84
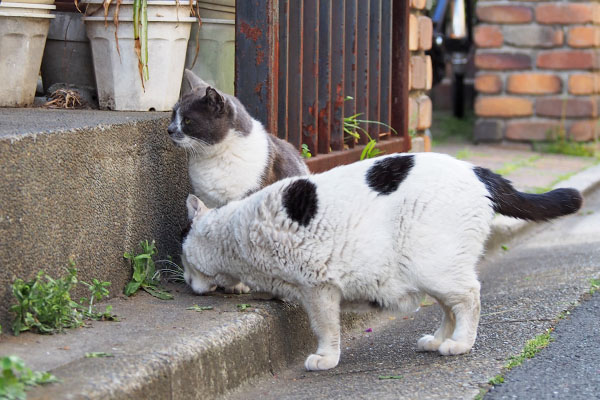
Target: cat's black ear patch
x,y
386,175
300,201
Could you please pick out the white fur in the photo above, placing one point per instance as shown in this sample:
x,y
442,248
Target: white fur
x,y
361,247
230,169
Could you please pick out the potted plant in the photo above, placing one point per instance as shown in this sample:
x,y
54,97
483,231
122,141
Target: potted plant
x,y
138,49
67,57
211,48
23,31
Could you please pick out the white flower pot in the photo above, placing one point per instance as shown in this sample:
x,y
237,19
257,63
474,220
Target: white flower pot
x,y
23,33
117,74
217,9
215,63
68,55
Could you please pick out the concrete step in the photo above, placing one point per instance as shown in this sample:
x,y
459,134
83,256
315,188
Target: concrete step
x,y
163,351
85,185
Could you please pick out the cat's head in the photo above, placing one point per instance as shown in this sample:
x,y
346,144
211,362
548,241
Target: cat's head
x,y
204,116
202,119
199,274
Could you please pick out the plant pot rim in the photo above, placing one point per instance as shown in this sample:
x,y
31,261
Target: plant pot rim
x,y
26,15
218,21
27,5
150,19
153,2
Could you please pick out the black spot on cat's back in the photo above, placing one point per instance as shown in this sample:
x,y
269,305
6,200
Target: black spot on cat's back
x,y
387,174
300,201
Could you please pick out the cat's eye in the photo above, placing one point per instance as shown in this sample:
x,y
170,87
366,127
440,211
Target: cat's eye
x,y
187,121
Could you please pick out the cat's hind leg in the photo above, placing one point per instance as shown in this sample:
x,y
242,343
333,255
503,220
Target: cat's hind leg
x,y
466,307
322,305
433,342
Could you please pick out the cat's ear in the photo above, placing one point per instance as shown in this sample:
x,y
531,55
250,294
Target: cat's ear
x,y
215,99
193,81
195,207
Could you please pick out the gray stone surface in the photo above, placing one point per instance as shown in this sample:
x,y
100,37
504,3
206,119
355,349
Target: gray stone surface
x,y
88,194
15,123
523,292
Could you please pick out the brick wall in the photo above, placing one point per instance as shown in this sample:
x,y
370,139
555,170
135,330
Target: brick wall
x,y
538,69
420,70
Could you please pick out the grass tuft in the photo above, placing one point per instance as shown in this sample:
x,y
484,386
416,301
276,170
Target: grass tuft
x,y
16,378
44,304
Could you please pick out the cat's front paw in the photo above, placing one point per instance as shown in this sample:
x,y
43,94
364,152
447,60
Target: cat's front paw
x,y
317,362
428,343
240,288
451,347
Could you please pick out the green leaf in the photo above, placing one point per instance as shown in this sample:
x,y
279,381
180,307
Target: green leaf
x,y
243,307
132,287
156,292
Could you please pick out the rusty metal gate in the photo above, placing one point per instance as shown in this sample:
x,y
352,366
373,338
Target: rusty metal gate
x,y
304,65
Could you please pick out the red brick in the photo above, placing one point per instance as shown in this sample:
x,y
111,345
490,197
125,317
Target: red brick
x,y
503,107
488,36
584,131
413,113
582,84
425,111
413,33
488,83
428,73
566,59
425,32
564,13
502,61
418,4
504,14
488,130
571,107
418,72
533,84
533,36
584,36
532,130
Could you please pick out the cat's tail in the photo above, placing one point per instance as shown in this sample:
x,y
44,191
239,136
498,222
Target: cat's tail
x,y
534,207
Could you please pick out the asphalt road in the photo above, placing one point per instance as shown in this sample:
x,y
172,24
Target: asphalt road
x,y
569,368
524,290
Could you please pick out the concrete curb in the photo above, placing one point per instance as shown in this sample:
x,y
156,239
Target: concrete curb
x,y
506,229
163,351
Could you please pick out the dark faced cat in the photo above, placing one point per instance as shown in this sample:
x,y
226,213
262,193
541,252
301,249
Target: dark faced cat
x,y
231,154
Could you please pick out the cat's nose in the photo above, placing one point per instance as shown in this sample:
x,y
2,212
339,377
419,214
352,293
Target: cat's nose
x,y
171,129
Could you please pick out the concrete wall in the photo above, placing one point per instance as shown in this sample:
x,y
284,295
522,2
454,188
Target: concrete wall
x,y
88,194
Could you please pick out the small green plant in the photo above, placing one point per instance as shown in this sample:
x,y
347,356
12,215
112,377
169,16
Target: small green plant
x,y
352,128
498,379
16,378
594,285
243,307
532,347
504,247
44,305
198,308
145,276
306,151
463,154
510,167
